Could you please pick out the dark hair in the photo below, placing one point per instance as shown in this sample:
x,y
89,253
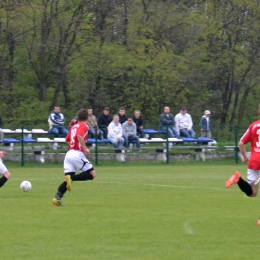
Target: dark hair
x,y
106,108
90,107
82,115
121,108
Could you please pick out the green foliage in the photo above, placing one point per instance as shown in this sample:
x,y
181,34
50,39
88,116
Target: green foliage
x,y
140,54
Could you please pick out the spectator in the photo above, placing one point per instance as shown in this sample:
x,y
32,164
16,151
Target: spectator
x,y
92,124
103,121
138,120
129,133
56,121
122,115
115,133
205,124
184,124
167,121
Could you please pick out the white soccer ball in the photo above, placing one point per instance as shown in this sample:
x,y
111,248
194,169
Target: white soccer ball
x,y
25,186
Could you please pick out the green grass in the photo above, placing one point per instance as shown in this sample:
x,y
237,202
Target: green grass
x,y
177,211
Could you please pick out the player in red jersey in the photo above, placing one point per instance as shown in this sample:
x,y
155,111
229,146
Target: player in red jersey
x,y
75,158
252,135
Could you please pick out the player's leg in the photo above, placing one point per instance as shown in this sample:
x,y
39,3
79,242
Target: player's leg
x,y
252,178
4,173
87,175
85,167
61,191
247,187
69,170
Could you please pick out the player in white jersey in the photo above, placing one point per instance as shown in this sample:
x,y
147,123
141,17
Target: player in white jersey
x,y
3,170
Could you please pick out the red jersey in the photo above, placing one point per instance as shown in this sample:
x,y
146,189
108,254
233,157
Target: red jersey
x,y
252,135
81,129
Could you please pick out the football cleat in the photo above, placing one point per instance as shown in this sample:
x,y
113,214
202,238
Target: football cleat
x,y
233,179
67,178
57,202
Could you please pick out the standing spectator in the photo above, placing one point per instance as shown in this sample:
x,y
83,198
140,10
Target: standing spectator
x,y
184,124
56,121
92,124
129,133
104,120
122,115
138,120
115,133
3,170
167,121
205,125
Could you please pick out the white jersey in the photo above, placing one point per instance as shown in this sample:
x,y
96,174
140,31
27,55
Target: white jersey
x,y
3,169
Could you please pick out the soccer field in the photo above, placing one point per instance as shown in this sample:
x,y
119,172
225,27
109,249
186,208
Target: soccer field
x,y
160,212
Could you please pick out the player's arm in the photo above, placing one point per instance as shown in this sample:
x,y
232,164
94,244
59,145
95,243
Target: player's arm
x,y
242,148
83,145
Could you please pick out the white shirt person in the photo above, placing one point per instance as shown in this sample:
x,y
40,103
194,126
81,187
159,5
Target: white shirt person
x,y
184,124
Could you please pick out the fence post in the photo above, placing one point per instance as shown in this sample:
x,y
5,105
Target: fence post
x,y
236,143
96,147
167,146
22,147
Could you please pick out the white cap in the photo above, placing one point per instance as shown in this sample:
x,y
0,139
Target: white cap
x,y
207,112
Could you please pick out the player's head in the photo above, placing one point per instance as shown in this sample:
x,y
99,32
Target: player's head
x,y
83,114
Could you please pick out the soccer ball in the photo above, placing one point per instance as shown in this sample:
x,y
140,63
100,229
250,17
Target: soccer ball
x,y
25,186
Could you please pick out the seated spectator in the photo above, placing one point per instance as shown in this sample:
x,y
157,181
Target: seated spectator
x,y
93,126
56,121
122,115
103,121
138,120
167,122
115,133
184,124
205,124
129,133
